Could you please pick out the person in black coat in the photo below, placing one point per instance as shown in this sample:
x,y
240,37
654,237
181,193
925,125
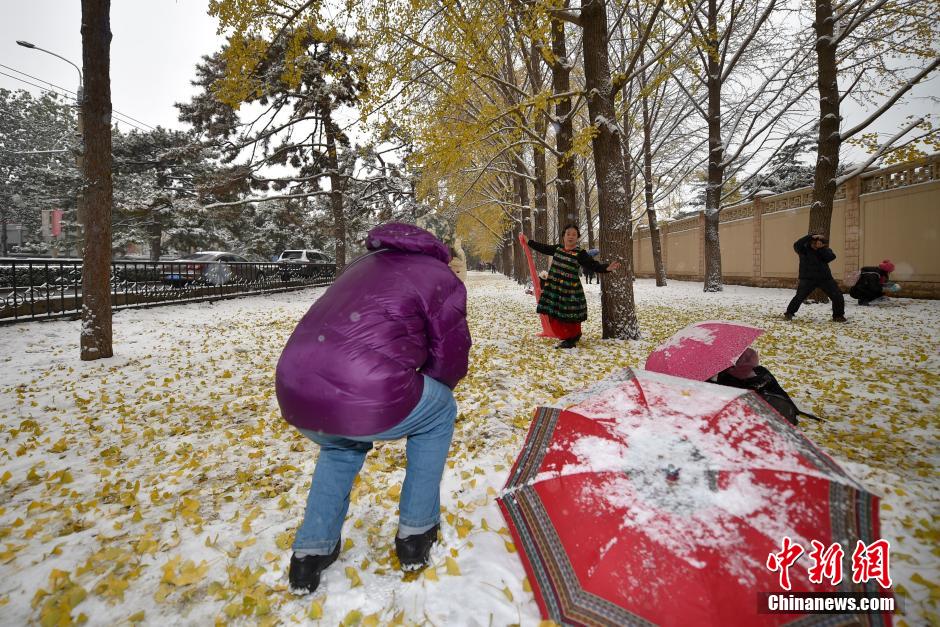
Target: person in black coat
x,y
815,256
747,374
871,282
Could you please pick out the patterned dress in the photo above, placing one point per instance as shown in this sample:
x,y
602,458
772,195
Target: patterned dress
x,y
562,295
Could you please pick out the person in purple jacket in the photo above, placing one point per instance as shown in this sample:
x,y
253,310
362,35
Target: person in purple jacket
x,y
376,358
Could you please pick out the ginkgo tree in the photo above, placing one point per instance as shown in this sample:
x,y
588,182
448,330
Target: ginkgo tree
x,y
882,49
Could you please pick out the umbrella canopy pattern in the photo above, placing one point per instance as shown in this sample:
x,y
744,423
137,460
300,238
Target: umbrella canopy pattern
x,y
702,350
650,499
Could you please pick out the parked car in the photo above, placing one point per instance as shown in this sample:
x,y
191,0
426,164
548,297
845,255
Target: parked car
x,y
300,263
210,267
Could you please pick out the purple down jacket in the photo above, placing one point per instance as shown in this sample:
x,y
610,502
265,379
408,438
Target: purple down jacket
x,y
353,365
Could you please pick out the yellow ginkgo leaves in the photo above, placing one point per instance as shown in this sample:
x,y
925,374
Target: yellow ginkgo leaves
x,y
185,573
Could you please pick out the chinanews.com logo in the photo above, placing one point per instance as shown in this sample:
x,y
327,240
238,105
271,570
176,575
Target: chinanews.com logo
x,y
870,563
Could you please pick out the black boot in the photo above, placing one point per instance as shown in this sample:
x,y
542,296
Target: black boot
x,y
413,551
304,573
569,343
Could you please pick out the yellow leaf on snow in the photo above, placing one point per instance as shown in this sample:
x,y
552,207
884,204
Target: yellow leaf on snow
x,y
146,544
353,618
11,552
452,567
112,587
187,574
283,540
430,574
316,611
353,576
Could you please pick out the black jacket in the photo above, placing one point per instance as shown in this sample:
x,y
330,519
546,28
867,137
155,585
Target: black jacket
x,y
870,283
768,388
814,264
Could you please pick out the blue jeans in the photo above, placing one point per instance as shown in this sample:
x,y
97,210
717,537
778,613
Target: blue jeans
x,y
429,429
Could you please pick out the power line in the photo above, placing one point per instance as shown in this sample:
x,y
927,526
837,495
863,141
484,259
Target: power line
x,y
28,82
70,92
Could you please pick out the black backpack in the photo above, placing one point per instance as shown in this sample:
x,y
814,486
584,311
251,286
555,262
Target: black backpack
x,y
768,388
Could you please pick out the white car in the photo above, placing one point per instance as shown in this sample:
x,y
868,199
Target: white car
x,y
299,263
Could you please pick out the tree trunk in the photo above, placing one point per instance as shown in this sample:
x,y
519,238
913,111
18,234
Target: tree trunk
x,y
628,179
716,169
827,153
97,191
336,191
655,240
617,304
3,230
520,269
507,255
587,206
567,210
540,222
155,233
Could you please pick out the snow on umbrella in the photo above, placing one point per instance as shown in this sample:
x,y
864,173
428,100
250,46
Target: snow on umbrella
x,y
702,350
651,499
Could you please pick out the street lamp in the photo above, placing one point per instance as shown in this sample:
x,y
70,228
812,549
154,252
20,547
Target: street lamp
x,y
78,154
81,81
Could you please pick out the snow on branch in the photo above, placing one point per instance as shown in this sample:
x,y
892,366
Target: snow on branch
x,y
890,102
884,147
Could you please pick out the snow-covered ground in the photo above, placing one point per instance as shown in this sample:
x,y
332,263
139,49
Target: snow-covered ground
x,y
161,486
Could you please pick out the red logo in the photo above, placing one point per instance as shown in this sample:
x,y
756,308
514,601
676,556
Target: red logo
x,y
868,562
871,562
827,563
783,560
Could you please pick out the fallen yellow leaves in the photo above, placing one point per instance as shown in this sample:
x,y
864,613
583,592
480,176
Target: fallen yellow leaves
x,y
161,459
55,606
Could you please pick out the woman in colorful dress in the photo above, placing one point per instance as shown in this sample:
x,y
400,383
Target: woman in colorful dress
x,y
563,297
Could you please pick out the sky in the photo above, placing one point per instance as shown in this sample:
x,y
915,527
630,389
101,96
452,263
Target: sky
x,y
154,49
157,43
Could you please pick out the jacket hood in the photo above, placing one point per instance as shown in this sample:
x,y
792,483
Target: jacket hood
x,y
743,368
407,238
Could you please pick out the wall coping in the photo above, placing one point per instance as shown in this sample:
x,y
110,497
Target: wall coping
x,y
872,181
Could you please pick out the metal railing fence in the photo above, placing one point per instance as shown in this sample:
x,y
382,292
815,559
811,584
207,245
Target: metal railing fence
x,y
36,289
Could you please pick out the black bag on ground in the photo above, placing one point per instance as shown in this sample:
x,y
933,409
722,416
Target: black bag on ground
x,y
769,389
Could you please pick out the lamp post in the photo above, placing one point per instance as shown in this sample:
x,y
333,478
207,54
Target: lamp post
x,y
79,150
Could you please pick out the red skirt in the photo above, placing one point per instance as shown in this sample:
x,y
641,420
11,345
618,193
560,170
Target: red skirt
x,y
564,330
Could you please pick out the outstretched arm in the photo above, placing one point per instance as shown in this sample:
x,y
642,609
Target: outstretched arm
x,y
545,249
592,265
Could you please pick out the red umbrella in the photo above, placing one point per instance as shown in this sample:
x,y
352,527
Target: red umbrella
x,y
657,500
702,350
